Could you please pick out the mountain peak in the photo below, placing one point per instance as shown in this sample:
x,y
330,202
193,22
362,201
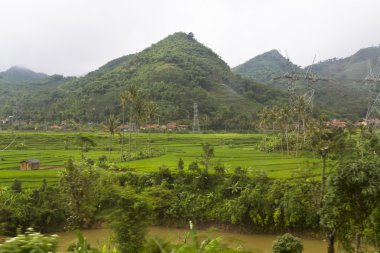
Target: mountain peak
x,y
265,66
19,73
352,68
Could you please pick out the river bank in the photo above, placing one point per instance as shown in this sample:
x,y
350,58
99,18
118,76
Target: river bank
x,y
256,243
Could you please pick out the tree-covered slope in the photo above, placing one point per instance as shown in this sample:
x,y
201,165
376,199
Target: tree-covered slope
x,y
265,67
343,96
175,72
21,74
351,69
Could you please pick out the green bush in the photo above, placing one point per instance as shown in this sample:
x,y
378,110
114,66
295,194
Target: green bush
x,y
30,242
287,243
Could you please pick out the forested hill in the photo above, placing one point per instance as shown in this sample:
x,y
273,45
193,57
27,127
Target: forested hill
x,y
351,69
344,96
21,74
265,67
22,88
175,72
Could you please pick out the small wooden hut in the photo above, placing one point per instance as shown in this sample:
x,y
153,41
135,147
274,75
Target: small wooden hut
x,y
30,164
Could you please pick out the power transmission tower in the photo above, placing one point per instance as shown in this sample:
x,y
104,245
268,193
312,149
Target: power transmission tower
x,y
196,119
293,76
374,99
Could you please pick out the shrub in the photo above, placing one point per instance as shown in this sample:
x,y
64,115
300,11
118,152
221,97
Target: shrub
x,y
30,242
287,243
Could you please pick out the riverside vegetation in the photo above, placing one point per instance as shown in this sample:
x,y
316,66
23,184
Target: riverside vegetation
x,y
205,193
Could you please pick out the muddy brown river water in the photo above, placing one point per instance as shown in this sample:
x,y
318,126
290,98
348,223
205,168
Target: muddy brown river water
x,y
256,243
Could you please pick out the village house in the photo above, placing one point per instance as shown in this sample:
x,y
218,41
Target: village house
x,y
151,126
56,127
30,164
368,122
373,122
183,127
122,128
337,123
171,126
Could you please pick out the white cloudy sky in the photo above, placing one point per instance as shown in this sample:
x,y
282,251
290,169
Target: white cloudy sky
x,y
72,37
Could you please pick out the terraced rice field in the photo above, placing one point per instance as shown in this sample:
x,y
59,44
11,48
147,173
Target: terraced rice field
x,y
53,149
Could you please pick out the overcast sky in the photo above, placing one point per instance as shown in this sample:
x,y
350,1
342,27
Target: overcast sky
x,y
73,37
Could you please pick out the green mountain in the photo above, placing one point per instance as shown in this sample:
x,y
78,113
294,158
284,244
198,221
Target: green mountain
x,y
266,67
21,74
175,72
343,96
352,69
348,95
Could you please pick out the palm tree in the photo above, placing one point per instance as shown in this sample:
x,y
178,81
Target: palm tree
x,y
281,122
273,115
138,116
110,126
132,93
84,142
151,113
123,100
286,116
300,110
263,120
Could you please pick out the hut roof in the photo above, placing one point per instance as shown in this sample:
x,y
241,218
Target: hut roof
x,y
31,161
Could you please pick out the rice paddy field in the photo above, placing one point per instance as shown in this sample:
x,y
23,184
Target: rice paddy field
x,y
54,148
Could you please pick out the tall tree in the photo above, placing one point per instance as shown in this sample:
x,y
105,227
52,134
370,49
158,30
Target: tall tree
x,y
151,113
129,220
354,190
132,94
208,153
85,142
110,126
78,182
263,121
123,100
138,116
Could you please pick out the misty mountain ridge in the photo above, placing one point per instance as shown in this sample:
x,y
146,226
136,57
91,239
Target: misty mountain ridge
x,y
22,74
272,64
343,95
353,68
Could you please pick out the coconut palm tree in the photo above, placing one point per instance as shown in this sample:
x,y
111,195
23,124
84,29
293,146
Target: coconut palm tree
x,y
300,110
274,115
138,116
151,113
123,100
285,118
132,94
84,143
111,125
263,120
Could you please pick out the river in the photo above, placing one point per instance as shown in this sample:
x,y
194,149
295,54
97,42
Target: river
x,y
256,243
